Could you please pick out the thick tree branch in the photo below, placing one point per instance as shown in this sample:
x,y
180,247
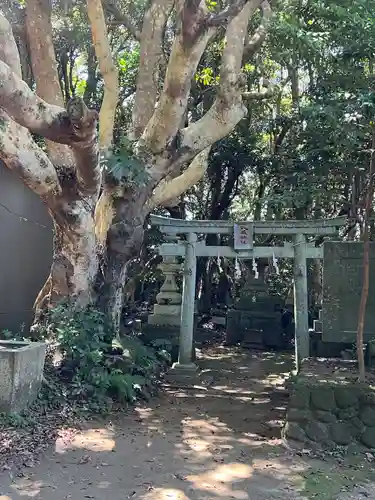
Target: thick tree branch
x,y
30,111
255,42
108,71
228,108
121,18
151,56
169,113
86,151
20,153
17,149
8,47
193,15
169,190
44,66
227,14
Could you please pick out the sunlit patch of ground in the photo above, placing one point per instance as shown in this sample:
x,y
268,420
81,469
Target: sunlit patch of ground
x,y
218,442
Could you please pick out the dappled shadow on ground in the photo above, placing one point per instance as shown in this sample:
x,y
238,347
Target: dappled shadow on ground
x,y
219,441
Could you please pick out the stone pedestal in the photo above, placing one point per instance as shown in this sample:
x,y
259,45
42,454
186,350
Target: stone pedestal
x,y
183,375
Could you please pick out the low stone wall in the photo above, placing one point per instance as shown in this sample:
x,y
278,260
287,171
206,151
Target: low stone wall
x,y
327,407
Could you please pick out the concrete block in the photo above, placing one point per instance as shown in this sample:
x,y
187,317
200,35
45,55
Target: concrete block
x,y
21,374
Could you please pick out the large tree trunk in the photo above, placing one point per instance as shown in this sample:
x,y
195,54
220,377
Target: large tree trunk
x,y
75,258
68,184
75,255
124,240
172,151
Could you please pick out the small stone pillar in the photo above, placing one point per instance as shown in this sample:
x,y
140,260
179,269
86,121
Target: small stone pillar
x,y
167,310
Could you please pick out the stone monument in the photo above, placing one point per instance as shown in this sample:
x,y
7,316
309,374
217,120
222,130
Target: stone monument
x,y
255,320
342,288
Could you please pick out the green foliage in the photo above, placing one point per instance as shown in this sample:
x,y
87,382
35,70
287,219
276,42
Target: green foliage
x,y
211,5
206,77
124,165
9,335
13,420
96,369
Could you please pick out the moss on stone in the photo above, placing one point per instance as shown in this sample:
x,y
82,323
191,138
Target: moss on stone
x,y
341,433
324,416
317,431
327,482
367,416
356,427
300,397
292,430
299,415
357,422
368,437
368,397
323,398
346,397
347,413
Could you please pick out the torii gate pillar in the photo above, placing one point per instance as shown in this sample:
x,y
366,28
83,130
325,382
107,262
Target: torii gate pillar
x,y
301,319
185,369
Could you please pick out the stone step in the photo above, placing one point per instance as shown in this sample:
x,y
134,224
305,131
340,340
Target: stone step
x,y
253,339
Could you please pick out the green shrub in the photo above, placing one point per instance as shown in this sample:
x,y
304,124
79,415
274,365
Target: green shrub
x,y
96,368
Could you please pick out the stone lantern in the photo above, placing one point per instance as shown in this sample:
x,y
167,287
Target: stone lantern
x,y
167,310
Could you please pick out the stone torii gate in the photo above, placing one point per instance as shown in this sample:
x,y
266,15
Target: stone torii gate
x,y
243,232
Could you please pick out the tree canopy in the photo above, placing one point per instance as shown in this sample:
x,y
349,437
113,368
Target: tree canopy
x,y
245,109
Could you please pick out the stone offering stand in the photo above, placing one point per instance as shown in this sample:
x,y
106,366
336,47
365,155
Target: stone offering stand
x,y
328,407
21,373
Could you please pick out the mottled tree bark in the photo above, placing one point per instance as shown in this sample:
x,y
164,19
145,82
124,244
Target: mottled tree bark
x,y
172,150
67,179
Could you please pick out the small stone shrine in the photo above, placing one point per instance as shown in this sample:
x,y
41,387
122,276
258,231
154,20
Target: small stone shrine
x,y
255,320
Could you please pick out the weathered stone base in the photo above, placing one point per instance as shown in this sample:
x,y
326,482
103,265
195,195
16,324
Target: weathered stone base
x,y
328,407
183,375
21,374
152,333
320,349
169,315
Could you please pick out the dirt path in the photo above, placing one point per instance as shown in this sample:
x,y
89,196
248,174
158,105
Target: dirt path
x,y
221,441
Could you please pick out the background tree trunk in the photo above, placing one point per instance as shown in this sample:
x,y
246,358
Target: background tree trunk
x,y
366,262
